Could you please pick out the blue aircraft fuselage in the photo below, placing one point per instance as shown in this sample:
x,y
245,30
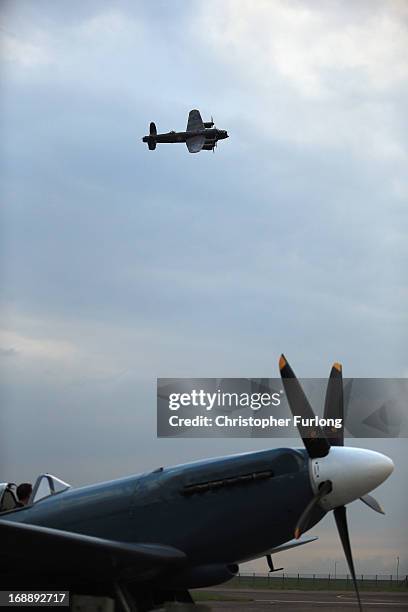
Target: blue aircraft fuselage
x,y
225,510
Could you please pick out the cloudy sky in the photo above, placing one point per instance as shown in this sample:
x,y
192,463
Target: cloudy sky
x,y
119,264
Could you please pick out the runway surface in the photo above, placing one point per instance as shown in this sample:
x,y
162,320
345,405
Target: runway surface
x,y
307,601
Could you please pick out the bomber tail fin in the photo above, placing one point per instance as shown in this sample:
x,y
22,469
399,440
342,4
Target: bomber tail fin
x,y
150,140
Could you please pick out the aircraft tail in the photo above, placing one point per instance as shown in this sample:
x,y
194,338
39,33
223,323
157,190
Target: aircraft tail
x,y
153,131
150,140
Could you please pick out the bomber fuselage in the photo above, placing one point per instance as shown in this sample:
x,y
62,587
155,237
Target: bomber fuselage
x,y
211,134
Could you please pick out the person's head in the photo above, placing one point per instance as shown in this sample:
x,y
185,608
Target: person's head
x,y
24,491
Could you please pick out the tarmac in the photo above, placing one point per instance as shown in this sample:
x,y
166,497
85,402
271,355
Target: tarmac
x,y
307,601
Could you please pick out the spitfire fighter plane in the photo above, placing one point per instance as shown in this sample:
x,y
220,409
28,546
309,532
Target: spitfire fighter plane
x,y
148,538
199,135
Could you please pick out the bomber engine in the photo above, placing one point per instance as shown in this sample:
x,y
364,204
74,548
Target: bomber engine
x,y
209,144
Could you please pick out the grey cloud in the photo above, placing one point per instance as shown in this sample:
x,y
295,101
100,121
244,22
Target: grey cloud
x,y
8,352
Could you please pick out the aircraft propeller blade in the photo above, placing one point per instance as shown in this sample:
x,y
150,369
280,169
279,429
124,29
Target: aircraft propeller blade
x,y
303,522
372,503
316,443
342,527
334,405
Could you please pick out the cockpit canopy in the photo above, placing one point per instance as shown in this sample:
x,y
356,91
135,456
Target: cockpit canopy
x,y
45,486
8,499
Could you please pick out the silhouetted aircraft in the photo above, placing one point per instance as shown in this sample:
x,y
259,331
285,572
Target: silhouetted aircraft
x,y
198,136
149,538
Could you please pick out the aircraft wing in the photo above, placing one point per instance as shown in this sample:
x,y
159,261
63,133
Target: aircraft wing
x,y
194,121
45,551
281,548
195,143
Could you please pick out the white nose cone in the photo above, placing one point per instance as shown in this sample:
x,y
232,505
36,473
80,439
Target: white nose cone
x,y
353,472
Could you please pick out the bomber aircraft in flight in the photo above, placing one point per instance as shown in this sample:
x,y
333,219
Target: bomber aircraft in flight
x,y
199,135
149,538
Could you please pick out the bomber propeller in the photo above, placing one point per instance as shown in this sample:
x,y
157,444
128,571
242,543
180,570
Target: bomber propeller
x,y
339,475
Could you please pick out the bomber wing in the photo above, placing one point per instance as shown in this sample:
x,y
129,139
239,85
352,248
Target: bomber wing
x,y
195,143
52,552
194,122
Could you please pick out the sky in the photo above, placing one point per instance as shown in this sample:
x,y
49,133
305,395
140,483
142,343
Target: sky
x,y
120,265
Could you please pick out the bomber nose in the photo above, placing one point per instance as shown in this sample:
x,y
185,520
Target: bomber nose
x,y
353,472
